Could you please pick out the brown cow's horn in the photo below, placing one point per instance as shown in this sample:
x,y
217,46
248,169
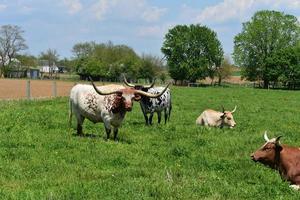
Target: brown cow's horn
x,y
277,139
99,92
126,83
147,94
233,110
266,137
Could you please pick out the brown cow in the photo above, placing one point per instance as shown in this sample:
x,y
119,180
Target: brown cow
x,y
107,104
283,158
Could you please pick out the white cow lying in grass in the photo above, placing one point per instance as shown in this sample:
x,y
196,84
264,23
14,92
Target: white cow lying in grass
x,y
216,119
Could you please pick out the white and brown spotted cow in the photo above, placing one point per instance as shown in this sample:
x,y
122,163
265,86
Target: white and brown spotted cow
x,y
152,105
217,119
107,104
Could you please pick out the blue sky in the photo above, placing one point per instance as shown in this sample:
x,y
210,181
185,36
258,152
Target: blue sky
x,y
140,24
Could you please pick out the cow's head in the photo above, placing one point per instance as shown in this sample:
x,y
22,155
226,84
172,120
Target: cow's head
x,y
227,117
144,88
269,153
123,98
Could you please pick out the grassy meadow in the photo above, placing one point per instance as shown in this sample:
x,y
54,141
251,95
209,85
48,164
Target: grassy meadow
x,y
41,158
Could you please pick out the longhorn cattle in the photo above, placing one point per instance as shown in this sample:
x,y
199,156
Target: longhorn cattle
x,y
217,119
107,104
283,158
152,105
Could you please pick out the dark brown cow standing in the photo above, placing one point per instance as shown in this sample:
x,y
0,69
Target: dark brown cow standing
x,y
283,158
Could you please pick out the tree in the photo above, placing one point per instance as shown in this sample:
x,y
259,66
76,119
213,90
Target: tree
x,y
109,60
191,51
225,70
82,50
27,60
68,64
150,67
266,33
51,56
286,65
11,42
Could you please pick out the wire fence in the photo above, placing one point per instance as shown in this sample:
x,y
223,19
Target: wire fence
x,y
34,89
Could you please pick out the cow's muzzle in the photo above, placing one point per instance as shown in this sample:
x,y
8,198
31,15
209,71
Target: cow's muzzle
x,y
128,109
253,158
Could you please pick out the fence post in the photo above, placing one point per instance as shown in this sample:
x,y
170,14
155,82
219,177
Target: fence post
x,y
28,95
54,89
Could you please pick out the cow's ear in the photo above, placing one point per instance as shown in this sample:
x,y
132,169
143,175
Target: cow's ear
x,y
277,143
119,95
223,116
137,97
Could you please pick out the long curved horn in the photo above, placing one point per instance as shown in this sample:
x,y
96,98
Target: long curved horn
x,y
149,86
126,83
233,110
266,137
98,91
147,94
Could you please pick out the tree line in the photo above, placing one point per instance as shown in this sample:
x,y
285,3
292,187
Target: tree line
x,y
267,50
107,61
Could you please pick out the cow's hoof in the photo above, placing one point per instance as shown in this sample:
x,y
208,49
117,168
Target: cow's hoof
x,y
295,187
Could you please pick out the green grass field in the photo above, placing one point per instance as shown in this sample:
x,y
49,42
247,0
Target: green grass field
x,y
41,158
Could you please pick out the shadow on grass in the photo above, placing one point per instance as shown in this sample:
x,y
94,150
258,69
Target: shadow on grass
x,y
103,137
86,135
137,123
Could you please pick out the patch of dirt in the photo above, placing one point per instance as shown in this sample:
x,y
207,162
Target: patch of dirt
x,y
16,88
231,79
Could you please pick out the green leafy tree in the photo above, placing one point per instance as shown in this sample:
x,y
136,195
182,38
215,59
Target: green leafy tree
x,y
266,33
27,61
83,50
191,51
225,70
286,66
109,60
150,67
69,64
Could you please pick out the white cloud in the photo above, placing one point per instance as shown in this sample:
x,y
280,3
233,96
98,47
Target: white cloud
x,y
74,6
239,9
293,4
127,9
102,7
153,14
226,10
150,31
2,7
156,31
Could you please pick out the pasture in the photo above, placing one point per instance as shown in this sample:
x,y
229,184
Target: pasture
x,y
41,158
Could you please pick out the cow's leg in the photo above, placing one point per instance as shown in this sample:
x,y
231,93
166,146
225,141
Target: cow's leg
x,y
107,127
108,131
166,115
150,118
116,130
159,117
80,120
146,118
145,114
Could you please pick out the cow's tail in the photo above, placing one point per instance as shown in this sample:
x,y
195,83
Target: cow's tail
x,y
170,110
70,112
